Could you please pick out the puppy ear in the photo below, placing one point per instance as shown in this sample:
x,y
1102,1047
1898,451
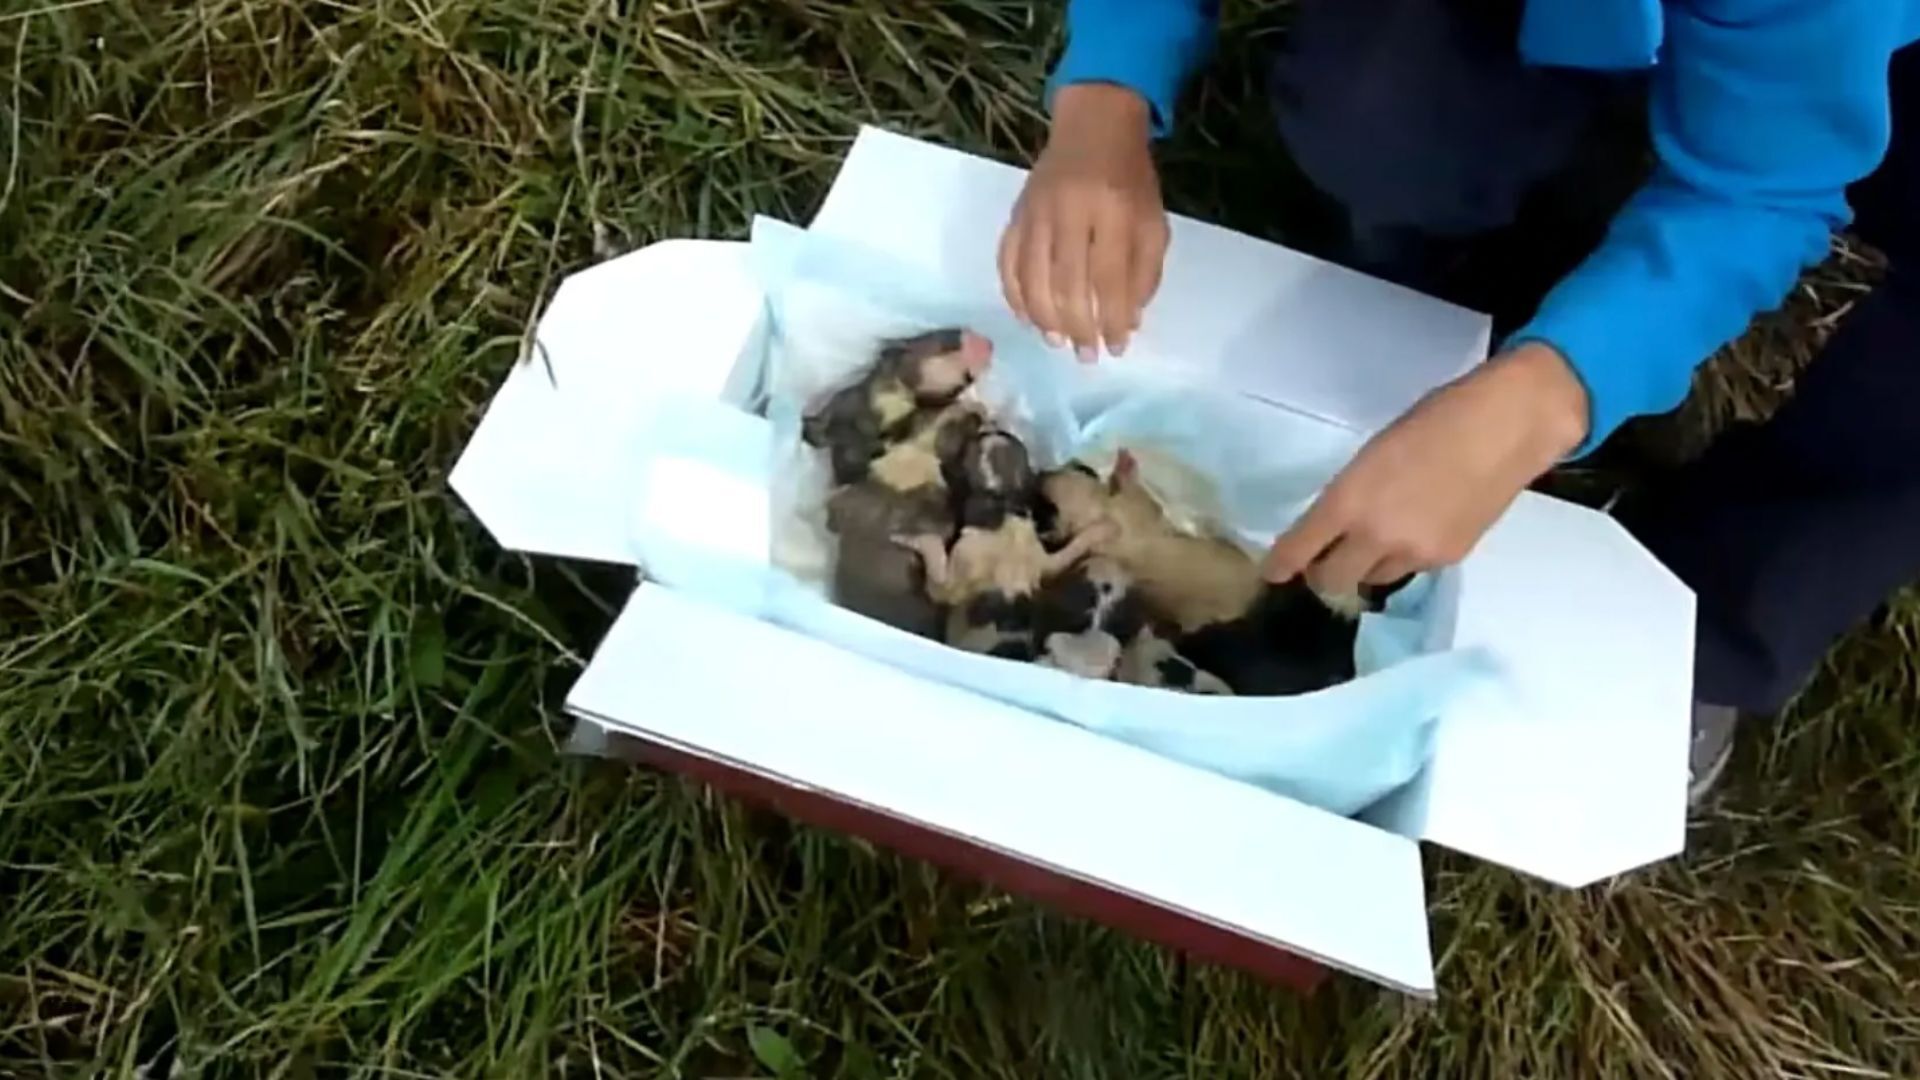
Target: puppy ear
x,y
813,430
892,361
851,460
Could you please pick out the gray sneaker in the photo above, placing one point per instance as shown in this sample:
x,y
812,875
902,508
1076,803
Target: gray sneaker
x,y
1712,748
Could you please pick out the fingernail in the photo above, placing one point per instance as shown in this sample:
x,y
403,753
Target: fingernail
x,y
1056,339
1117,348
1086,354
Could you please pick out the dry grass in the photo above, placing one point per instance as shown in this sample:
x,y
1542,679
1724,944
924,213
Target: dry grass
x,y
278,784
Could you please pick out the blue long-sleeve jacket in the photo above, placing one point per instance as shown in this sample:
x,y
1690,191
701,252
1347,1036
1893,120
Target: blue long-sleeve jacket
x,y
1762,112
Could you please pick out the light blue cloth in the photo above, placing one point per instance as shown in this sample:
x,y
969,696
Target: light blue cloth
x,y
1340,749
1762,112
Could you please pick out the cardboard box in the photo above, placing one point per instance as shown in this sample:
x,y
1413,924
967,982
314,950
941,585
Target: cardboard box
x,y
1578,774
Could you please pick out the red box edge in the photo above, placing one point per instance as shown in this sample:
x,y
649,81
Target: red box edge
x,y
1133,915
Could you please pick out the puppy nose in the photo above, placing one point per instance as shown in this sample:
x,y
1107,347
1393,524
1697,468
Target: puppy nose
x,y
976,352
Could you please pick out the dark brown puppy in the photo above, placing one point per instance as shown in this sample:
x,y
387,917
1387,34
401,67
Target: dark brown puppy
x,y
857,423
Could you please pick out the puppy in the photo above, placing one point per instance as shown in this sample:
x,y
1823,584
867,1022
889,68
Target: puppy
x,y
1287,642
1092,622
1086,616
1151,660
856,424
993,478
1223,617
929,450
904,494
989,578
872,574
1193,581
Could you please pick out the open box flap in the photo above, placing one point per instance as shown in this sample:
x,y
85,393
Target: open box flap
x,y
733,688
1580,773
545,469
1267,321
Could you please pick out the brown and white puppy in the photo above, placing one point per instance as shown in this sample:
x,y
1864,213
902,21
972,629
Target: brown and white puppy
x,y
856,424
904,494
989,577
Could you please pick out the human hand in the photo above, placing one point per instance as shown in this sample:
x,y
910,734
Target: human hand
x,y
1420,494
1082,254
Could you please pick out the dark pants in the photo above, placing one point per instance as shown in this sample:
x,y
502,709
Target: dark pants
x,y
1468,175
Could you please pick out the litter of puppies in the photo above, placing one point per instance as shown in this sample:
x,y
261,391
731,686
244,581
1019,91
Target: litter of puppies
x,y
946,528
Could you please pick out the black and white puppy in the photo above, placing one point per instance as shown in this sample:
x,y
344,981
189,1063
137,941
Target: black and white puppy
x,y
1152,659
1086,617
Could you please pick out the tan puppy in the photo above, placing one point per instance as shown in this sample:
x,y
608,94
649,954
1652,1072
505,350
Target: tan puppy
x,y
1192,580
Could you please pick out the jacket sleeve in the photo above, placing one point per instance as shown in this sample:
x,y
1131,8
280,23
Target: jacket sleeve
x,y
1148,46
1763,111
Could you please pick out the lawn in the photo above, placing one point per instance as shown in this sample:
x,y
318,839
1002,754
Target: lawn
x,y
281,790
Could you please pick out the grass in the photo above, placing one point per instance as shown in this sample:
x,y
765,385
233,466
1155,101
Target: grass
x,y
280,789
